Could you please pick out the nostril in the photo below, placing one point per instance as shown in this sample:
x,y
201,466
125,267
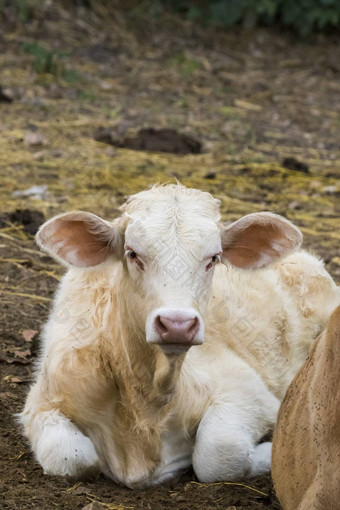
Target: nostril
x,y
160,327
193,328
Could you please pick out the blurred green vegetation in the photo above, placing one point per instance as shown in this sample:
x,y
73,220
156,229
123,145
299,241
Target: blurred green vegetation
x,y
303,16
46,61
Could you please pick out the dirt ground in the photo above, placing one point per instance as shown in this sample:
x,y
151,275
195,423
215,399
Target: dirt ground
x,y
265,108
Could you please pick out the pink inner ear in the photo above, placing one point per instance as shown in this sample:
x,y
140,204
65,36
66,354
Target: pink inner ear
x,y
259,244
72,242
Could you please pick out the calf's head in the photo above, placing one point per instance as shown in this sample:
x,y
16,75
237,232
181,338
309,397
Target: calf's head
x,y
168,241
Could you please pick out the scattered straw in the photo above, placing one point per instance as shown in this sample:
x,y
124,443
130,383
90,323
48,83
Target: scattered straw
x,y
29,296
230,483
109,506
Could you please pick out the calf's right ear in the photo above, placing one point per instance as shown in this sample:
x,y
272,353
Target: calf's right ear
x,y
80,239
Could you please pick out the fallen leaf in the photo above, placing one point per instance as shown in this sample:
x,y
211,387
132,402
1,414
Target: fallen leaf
x,y
17,380
29,334
93,506
22,354
13,379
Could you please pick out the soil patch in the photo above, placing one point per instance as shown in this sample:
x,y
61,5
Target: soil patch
x,y
153,140
28,218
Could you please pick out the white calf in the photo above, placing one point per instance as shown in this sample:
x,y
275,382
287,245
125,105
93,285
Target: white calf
x,y
164,347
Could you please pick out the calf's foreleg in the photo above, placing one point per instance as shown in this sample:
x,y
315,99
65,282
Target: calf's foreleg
x,y
226,443
58,444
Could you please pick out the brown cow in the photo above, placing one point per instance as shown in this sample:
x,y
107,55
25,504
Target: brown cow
x,y
306,446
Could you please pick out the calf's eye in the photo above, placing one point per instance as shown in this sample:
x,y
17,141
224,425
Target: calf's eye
x,y
132,255
213,261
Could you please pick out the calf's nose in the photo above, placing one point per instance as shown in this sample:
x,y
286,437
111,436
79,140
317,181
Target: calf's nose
x,y
177,328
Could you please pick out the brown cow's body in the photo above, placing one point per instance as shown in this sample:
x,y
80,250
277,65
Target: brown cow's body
x,y
306,447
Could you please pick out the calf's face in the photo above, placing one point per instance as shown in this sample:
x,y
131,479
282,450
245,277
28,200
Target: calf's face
x,y
169,240
170,256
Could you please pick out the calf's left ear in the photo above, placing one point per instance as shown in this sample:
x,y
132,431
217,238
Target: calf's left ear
x,y
258,239
80,239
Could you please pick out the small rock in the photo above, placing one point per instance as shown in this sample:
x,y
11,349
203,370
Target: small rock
x,y
38,192
105,85
35,138
5,96
39,155
330,190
